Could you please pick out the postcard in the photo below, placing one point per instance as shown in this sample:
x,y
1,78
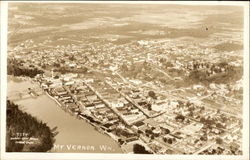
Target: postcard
x,y
124,80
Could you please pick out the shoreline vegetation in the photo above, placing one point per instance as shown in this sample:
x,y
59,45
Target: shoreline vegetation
x,y
24,133
16,68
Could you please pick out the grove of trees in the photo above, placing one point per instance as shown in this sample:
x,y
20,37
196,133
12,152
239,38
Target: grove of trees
x,y
15,68
22,122
139,149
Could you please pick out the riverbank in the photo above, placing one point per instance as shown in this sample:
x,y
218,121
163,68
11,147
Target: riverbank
x,y
28,134
72,131
86,118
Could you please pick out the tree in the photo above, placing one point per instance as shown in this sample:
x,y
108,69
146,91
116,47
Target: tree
x,y
152,137
118,131
62,61
72,58
19,121
168,64
84,69
169,140
43,66
149,106
152,94
120,141
203,138
139,149
56,65
56,77
219,140
162,60
166,131
124,67
180,117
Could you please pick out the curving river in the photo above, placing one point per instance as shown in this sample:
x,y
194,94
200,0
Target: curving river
x,y
74,135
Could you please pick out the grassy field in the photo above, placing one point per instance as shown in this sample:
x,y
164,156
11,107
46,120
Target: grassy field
x,y
30,20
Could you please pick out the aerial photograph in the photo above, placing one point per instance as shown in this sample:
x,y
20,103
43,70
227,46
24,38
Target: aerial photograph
x,y
125,78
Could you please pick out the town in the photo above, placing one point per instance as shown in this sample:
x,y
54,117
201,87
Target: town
x,y
166,95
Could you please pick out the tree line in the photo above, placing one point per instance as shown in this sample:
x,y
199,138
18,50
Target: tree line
x,y
230,75
16,68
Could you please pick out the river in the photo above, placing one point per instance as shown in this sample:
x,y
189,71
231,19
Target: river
x,y
75,135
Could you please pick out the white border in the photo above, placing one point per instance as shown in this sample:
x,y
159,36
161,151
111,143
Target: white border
x,y
27,156
4,20
237,3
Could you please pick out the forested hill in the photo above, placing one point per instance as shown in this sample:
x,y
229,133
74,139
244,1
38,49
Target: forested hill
x,y
25,133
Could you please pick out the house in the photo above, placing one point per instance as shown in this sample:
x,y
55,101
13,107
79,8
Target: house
x,y
117,104
69,83
134,110
100,105
151,123
130,139
68,77
157,131
64,98
90,106
145,138
91,98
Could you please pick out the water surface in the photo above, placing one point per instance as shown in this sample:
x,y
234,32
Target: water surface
x,y
75,135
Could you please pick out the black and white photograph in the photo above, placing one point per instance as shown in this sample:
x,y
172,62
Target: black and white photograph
x,y
125,78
